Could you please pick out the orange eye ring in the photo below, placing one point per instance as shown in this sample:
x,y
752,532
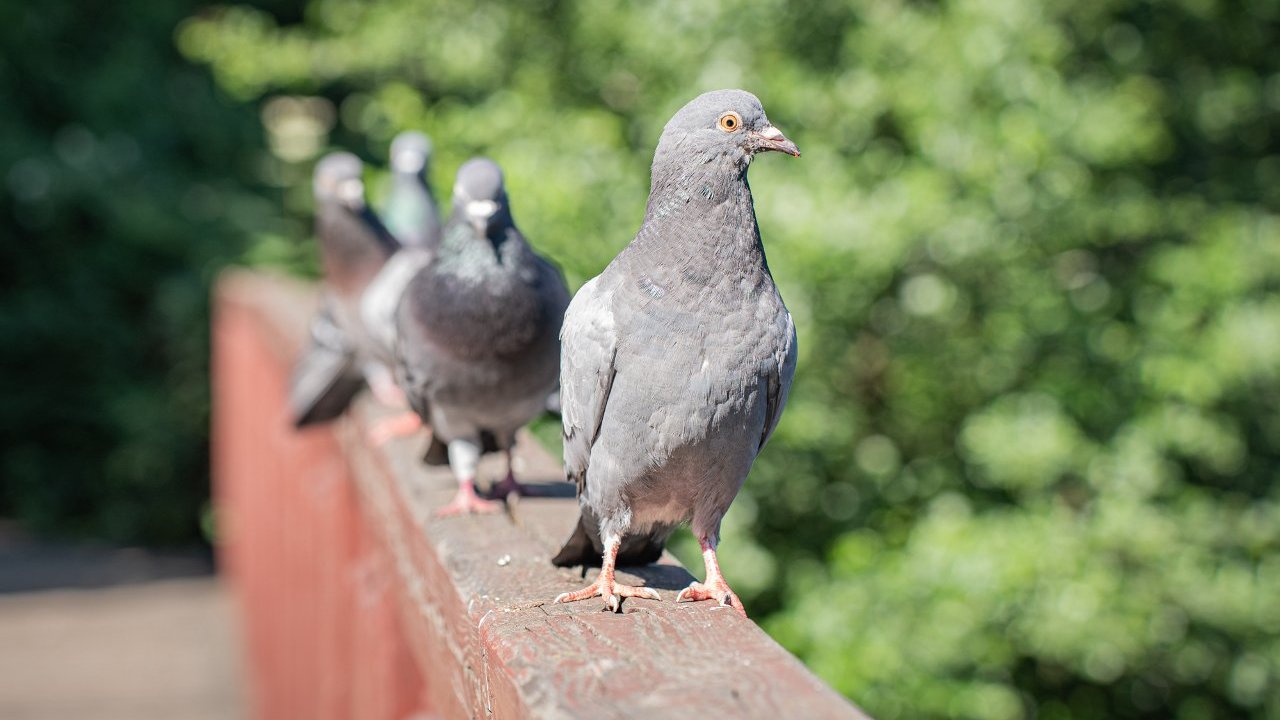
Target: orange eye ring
x,y
730,122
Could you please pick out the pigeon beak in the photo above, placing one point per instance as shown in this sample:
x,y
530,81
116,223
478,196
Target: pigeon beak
x,y
771,138
479,212
350,192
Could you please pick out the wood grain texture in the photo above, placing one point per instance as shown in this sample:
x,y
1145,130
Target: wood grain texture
x,y
474,592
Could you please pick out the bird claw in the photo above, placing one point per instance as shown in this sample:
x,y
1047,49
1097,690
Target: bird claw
x,y
612,599
388,428
718,591
467,502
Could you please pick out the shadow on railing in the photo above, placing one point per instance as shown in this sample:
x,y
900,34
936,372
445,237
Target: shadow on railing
x,y
355,604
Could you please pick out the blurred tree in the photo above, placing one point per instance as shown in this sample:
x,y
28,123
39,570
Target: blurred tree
x,y
123,175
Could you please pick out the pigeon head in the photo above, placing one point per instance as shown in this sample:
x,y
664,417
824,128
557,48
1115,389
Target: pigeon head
x,y
480,196
337,178
721,124
410,153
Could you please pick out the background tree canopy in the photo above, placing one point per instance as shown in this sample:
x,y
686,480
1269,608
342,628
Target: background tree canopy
x,y
126,180
1031,463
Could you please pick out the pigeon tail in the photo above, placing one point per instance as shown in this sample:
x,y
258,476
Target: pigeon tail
x,y
325,378
331,403
585,548
578,549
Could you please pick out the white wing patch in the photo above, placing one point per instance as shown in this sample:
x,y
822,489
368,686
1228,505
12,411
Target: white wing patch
x,y
382,297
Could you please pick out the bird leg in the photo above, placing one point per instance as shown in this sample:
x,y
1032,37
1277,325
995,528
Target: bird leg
x,y
715,588
395,426
509,484
384,387
605,586
467,502
387,392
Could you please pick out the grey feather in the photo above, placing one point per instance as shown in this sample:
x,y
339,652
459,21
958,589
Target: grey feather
x,y
477,349
678,358
381,300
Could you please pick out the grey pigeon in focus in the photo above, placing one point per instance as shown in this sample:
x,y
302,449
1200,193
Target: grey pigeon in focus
x,y
354,247
678,358
477,348
410,212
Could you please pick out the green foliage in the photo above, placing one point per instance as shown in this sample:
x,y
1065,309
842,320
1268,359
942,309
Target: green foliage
x,y
1029,466
122,174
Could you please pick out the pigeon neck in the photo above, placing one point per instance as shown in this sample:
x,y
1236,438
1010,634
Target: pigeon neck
x,y
386,241
704,207
411,213
356,228
412,177
497,246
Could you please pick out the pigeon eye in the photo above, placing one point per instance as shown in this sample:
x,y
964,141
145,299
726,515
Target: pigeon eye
x,y
730,122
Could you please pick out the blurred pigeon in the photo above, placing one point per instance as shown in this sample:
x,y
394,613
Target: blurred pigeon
x,y
354,247
478,351
678,358
410,213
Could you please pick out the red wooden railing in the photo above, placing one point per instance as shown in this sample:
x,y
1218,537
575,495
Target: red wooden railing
x,y
355,604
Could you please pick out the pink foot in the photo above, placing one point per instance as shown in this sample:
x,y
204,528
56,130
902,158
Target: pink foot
x,y
395,426
605,586
610,590
467,502
717,590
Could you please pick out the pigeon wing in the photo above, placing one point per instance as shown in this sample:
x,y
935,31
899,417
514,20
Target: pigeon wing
x,y
589,348
778,382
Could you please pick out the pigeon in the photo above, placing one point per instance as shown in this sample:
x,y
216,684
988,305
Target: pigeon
x,y
410,212
354,248
410,215
677,359
477,350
